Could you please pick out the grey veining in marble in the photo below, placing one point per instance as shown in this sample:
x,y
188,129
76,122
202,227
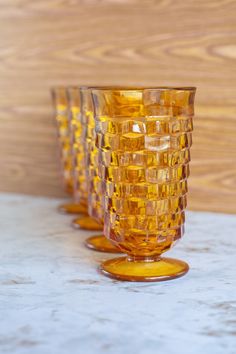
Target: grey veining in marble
x,y
53,300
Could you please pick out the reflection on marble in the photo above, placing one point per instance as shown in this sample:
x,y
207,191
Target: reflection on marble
x,y
53,300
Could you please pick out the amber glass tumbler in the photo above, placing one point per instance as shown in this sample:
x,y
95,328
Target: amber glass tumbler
x,y
144,138
81,125
95,207
66,107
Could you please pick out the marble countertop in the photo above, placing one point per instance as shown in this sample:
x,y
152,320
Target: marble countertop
x,y
53,300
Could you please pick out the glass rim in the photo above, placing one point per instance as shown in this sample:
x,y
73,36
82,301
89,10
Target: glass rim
x,y
141,88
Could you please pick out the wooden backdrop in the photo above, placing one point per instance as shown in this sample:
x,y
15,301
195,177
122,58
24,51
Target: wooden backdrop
x,y
133,42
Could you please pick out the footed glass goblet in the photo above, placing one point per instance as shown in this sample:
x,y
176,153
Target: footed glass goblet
x,y
63,118
95,207
143,138
80,126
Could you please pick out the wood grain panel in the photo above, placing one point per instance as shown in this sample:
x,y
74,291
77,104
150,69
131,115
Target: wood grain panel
x,y
131,42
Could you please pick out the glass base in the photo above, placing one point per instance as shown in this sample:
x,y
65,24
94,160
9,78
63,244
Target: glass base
x,y
86,223
72,208
101,243
162,269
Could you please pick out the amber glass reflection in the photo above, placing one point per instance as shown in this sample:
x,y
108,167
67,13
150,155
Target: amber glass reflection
x,y
144,138
63,117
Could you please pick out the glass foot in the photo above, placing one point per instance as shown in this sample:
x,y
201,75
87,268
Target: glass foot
x,y
163,269
72,208
101,243
86,223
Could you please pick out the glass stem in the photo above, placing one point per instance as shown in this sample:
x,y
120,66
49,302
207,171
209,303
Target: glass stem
x,y
144,258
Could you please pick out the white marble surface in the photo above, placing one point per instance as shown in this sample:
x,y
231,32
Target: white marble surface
x,y
53,300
